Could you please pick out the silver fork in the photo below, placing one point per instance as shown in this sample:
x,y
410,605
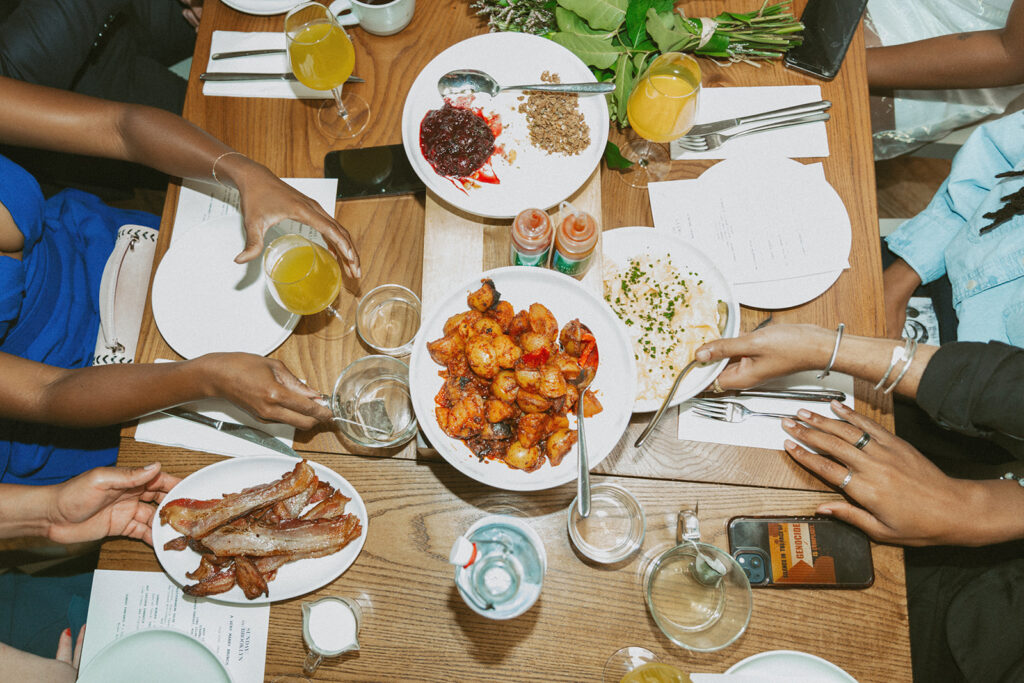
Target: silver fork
x,y
729,411
706,143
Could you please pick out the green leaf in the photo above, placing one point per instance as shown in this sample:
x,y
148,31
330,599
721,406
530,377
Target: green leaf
x,y
593,50
600,14
663,5
613,157
636,13
625,79
569,22
663,30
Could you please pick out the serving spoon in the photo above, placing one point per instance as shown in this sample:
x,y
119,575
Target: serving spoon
x,y
473,81
588,368
723,321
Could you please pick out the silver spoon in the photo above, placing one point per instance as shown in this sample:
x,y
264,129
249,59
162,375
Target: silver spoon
x,y
723,321
581,382
471,81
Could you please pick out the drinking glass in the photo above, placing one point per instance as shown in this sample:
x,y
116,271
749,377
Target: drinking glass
x,y
387,319
639,665
302,276
322,58
371,402
661,108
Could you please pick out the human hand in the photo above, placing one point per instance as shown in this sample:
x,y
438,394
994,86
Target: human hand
x,y
67,654
267,200
901,496
767,353
193,11
107,501
265,387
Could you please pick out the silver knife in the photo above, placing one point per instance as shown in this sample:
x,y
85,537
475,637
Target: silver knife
x,y
250,434
283,76
248,53
823,395
725,124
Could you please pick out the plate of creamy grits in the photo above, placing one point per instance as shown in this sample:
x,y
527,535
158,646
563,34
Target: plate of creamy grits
x,y
668,294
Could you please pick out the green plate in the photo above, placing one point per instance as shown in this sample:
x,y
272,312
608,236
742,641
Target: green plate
x,y
155,655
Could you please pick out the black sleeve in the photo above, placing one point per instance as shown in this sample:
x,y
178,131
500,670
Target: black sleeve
x,y
976,389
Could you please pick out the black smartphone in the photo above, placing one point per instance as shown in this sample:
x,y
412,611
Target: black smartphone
x,y
372,172
829,26
801,552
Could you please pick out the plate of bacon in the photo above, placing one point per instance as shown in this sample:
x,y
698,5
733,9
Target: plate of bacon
x,y
288,529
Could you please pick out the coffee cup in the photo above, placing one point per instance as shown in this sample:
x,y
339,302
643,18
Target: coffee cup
x,y
380,17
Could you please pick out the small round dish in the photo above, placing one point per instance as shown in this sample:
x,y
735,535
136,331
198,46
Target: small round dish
x,y
387,319
371,402
615,528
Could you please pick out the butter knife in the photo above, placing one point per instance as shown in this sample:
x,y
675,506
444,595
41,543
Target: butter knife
x,y
248,53
250,434
823,395
283,76
725,124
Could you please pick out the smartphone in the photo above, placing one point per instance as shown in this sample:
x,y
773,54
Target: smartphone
x,y
372,172
829,26
801,552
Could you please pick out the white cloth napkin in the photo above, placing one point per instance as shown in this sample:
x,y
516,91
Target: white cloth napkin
x,y
234,41
808,140
763,432
168,430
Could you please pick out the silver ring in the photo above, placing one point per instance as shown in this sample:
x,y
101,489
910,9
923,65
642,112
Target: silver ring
x,y
862,441
846,479
716,387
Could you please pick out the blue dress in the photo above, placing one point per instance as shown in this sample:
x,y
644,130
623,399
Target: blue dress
x,y
49,312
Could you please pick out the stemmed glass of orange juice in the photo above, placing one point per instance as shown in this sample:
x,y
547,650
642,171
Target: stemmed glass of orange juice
x,y
322,58
302,276
661,108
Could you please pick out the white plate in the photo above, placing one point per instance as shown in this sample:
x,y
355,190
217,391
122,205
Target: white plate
x,y
817,212
614,384
792,663
263,7
160,653
204,302
534,178
233,475
622,244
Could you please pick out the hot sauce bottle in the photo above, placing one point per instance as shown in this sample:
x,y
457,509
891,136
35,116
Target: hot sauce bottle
x,y
575,240
531,238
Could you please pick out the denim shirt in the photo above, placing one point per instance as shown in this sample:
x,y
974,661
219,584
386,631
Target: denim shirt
x,y
986,271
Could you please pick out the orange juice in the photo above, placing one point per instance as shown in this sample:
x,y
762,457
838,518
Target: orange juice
x,y
307,279
663,105
322,56
655,672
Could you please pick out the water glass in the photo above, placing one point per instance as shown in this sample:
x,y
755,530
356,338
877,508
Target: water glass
x,y
387,319
371,403
615,528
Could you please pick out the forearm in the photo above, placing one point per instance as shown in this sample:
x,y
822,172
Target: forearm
x,y
24,666
992,511
100,395
24,510
983,59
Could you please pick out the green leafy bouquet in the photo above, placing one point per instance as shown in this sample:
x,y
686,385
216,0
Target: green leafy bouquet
x,y
619,38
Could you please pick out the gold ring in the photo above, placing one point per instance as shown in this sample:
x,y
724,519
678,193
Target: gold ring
x,y
862,441
846,479
716,387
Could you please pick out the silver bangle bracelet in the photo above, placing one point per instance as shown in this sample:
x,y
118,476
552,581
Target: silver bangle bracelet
x,y
213,168
835,352
897,353
909,358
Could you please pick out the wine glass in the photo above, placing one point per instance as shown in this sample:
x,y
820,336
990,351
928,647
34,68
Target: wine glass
x,y
639,665
322,58
661,108
302,276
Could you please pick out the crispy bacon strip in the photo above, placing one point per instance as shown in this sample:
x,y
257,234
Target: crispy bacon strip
x,y
332,507
249,578
287,538
221,582
197,518
179,543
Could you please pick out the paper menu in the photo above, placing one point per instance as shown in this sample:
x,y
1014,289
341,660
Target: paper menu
x,y
201,201
763,432
123,602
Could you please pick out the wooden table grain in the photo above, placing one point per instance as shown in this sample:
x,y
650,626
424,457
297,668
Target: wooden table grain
x,y
416,626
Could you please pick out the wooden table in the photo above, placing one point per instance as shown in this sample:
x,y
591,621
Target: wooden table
x,y
416,626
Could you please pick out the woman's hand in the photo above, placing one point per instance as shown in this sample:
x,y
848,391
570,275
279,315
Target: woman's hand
x,y
769,352
71,656
107,501
267,200
264,387
900,496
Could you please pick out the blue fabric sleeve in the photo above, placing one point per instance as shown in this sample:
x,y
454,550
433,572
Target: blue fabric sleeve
x,y
991,149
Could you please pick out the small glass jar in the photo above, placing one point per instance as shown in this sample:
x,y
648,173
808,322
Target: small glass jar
x,y
531,234
575,240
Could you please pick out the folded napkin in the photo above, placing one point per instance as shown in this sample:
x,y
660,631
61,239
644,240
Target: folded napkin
x,y
168,430
808,140
234,41
763,432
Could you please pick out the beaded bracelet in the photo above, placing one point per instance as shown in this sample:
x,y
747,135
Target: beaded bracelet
x,y
213,169
835,352
1013,477
898,353
908,359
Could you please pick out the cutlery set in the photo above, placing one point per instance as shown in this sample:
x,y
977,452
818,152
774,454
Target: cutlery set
x,y
709,136
723,410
